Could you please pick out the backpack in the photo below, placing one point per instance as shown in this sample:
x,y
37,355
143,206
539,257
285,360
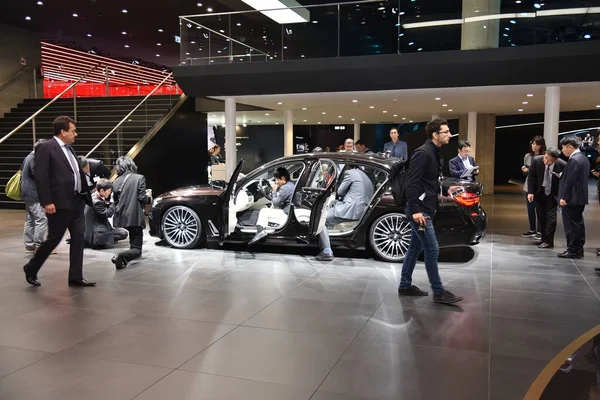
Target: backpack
x,y
398,181
13,187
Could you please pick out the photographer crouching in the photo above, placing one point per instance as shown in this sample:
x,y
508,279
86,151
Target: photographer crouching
x,y
99,233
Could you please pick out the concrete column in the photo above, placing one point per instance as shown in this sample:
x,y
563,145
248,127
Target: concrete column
x,y
480,131
230,138
356,131
552,116
480,34
288,133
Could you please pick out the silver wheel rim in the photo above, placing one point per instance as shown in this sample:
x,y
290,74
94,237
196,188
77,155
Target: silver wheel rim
x,y
180,226
391,236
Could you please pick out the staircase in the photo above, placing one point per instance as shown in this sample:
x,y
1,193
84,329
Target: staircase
x,y
96,116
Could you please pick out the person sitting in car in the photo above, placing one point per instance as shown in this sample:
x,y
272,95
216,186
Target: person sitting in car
x,y
99,233
282,200
353,196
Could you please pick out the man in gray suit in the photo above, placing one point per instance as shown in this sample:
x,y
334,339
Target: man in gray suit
x,y
353,196
281,205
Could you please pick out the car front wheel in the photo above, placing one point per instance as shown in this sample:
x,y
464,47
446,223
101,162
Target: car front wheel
x,y
389,237
181,227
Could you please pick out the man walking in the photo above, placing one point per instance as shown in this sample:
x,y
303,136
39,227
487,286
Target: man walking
x,y
422,191
573,195
62,192
542,187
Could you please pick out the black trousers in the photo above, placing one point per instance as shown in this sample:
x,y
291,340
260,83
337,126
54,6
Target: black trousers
x,y
58,223
136,238
545,207
572,216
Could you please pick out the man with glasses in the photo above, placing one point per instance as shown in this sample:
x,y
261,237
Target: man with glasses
x,y
422,190
462,162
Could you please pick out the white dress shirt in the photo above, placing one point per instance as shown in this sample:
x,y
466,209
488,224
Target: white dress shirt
x,y
73,163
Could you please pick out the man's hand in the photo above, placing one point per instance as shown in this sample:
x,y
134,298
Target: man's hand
x,y
50,209
596,173
524,169
530,198
563,203
274,186
476,172
420,219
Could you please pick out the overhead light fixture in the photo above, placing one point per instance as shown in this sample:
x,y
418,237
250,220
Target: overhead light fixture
x,y
364,122
160,30
438,98
304,120
199,4
280,103
75,15
259,122
395,115
158,44
355,101
530,95
124,11
403,119
267,114
89,35
520,110
126,46
304,108
512,21
525,102
319,123
187,54
239,24
315,22
40,3
587,36
450,110
281,11
537,5
28,18
209,9
353,119
339,116
371,106
123,33
444,105
244,125
385,112
158,55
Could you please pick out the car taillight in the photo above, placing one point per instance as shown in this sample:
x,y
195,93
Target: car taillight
x,y
467,199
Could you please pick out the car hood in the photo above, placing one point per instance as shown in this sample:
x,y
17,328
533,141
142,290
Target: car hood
x,y
196,190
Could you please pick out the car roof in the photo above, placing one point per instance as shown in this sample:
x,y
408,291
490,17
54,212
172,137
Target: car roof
x,y
385,162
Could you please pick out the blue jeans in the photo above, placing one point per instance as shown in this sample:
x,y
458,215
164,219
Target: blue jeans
x,y
426,241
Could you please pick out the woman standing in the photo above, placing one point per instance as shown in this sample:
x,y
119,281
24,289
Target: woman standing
x,y
538,147
130,196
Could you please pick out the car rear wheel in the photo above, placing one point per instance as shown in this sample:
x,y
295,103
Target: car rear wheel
x,y
181,227
389,237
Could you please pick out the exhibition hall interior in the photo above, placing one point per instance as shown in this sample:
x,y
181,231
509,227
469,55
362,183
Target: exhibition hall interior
x,y
226,199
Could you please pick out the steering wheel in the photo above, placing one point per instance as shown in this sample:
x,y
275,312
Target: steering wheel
x,y
265,189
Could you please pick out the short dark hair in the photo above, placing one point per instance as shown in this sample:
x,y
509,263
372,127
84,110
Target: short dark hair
x,y
83,162
540,141
463,143
572,140
61,124
434,126
553,152
103,184
393,128
37,144
282,173
359,142
125,165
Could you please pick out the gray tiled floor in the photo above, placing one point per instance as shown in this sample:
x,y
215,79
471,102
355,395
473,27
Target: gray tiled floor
x,y
212,324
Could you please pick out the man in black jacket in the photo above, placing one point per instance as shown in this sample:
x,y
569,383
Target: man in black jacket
x,y
542,187
94,170
422,190
573,195
99,233
62,192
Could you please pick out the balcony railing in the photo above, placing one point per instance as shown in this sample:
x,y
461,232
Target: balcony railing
x,y
373,27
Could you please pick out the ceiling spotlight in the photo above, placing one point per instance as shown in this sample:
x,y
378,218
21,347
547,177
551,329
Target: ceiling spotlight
x,y
385,112
259,122
438,98
267,114
339,116
450,110
512,21
371,106
75,15
520,110
304,120
319,123
587,36
403,119
518,1
304,108
239,24
525,102
160,30
353,119
89,35
280,103
537,5
395,115
420,49
245,125
193,42
199,4
315,22
221,30
187,54
158,44
126,46
28,18
355,101
158,55
530,95
209,9
123,33
124,11
411,43
40,3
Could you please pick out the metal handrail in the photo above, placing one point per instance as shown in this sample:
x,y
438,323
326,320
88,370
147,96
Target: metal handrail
x,y
38,112
9,80
128,115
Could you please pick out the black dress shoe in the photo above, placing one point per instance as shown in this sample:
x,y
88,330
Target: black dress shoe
x,y
545,246
32,280
412,291
446,297
82,283
538,241
119,262
598,252
566,254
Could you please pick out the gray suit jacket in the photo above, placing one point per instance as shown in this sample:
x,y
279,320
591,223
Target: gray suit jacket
x,y
283,197
356,191
129,204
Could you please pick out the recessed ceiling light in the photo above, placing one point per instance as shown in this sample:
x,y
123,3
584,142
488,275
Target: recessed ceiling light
x,y
123,33
221,30
371,106
525,102
518,1
385,112
266,113
323,113
410,121
450,110
187,54
364,122
339,116
40,3
199,4
280,103
355,101
598,106
530,95
438,98
124,11
239,24
319,123
75,15
403,119
520,109
395,100
245,125
89,35
395,115
304,120
276,123
259,122
126,46
193,42
209,9
353,119
304,109
444,105
158,55
315,22
158,44
160,30
587,36
28,18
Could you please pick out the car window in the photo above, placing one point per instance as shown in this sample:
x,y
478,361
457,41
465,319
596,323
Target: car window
x,y
321,174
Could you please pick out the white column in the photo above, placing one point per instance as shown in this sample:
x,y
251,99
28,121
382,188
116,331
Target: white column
x,y
472,132
552,116
288,133
230,139
356,131
483,34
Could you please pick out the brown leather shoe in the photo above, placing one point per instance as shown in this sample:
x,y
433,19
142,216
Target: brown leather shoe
x,y
545,246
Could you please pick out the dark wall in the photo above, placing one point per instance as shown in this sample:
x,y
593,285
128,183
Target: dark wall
x,y
177,155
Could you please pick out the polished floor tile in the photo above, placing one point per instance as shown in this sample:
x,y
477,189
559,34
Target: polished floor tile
x,y
574,285
337,289
71,378
511,377
13,359
183,385
247,282
173,341
289,358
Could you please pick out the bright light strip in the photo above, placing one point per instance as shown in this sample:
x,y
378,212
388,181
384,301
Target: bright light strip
x,y
499,16
279,11
433,23
568,11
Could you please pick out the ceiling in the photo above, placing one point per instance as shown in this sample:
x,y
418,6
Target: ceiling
x,y
148,29
404,106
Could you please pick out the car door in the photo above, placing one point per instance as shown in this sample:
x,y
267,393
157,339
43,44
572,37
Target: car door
x,y
227,205
321,198
380,179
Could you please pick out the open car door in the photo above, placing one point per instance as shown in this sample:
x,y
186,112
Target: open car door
x,y
227,205
321,204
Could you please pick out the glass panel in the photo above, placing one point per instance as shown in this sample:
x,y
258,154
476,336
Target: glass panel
x,y
316,38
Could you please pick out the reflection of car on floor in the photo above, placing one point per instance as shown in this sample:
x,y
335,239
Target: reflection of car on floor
x,y
187,217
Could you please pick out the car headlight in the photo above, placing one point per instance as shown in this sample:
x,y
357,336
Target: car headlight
x,y
156,201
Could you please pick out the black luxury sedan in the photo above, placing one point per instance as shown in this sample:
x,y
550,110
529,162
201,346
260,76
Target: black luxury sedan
x,y
188,217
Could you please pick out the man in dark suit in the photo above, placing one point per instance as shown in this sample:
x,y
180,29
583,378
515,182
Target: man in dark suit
x,y
542,187
396,148
62,192
463,160
573,195
361,147
94,170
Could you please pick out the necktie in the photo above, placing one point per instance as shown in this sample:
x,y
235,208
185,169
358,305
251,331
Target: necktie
x,y
547,181
74,166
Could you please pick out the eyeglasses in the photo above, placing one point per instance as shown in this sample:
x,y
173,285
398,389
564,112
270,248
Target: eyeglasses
x,y
447,131
466,151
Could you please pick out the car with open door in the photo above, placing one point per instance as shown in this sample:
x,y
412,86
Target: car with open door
x,y
189,217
